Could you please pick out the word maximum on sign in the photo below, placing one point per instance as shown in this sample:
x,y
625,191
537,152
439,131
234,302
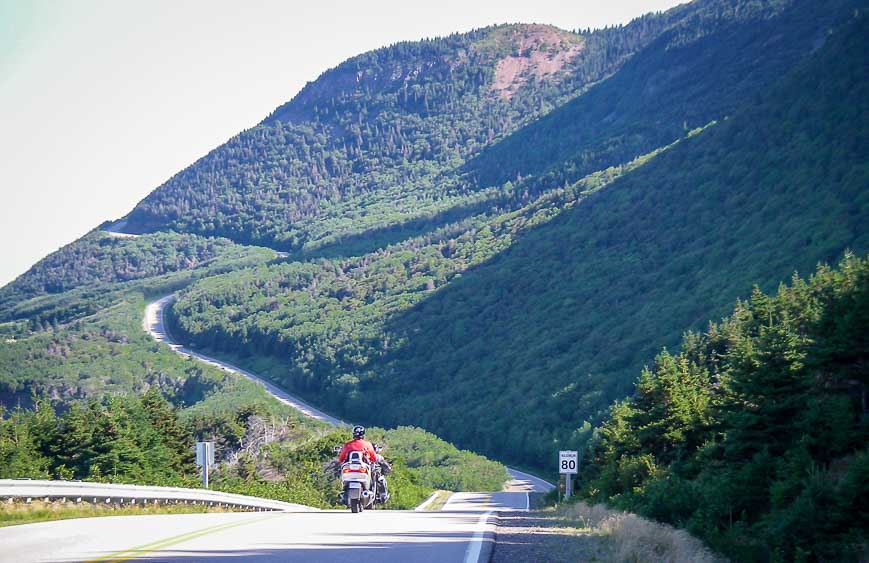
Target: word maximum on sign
x,y
567,462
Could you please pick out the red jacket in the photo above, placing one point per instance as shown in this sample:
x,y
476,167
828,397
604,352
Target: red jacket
x,y
358,446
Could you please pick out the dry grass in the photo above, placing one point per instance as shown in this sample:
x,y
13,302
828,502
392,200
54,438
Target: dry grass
x,y
16,512
636,539
439,501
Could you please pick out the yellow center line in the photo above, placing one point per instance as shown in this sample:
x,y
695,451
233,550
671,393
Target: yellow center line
x,y
132,552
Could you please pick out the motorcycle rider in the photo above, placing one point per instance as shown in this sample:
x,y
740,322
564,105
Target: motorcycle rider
x,y
360,444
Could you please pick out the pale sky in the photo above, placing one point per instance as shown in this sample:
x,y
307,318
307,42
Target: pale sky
x,y
102,101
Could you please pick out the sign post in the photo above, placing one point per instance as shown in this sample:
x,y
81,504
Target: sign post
x,y
568,463
205,459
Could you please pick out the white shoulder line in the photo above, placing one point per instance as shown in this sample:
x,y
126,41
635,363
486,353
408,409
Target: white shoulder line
x,y
475,546
426,502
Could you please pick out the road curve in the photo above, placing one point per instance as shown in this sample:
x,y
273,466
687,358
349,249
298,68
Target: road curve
x,y
526,482
155,325
116,230
462,533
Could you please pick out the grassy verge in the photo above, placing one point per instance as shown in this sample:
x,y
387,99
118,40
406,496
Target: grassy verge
x,y
634,538
14,513
441,498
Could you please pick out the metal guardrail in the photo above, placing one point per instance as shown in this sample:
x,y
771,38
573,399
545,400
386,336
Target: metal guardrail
x,y
108,493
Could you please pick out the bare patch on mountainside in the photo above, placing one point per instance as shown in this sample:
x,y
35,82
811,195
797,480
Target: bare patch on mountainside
x,y
529,51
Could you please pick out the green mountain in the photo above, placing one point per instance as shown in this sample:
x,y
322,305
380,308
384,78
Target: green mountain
x,y
376,141
501,226
380,142
532,320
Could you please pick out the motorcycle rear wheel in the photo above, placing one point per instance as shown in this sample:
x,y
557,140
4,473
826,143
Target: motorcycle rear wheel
x,y
355,506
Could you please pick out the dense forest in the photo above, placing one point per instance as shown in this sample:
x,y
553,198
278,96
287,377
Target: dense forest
x,y
659,94
382,140
548,310
98,270
754,436
100,258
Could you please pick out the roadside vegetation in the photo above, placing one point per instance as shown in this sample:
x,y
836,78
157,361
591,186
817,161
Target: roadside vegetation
x,y
145,440
636,539
754,435
87,394
439,501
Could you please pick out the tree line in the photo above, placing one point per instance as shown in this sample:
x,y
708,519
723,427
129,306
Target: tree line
x,y
754,435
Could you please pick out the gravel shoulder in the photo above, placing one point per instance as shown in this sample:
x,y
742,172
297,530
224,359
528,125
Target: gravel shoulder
x,y
546,537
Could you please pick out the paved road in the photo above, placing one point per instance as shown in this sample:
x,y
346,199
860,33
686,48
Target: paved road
x,y
116,229
463,532
154,324
526,482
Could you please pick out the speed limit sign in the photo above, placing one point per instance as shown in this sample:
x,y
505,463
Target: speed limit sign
x,y
567,462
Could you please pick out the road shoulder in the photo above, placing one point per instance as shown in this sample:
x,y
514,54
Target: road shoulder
x,y
545,537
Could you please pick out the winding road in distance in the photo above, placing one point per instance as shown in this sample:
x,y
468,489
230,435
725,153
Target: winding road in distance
x,y
463,531
154,324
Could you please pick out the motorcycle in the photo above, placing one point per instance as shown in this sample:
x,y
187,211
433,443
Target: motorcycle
x,y
360,482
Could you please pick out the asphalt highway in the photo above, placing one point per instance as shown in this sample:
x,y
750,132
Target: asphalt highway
x,y
463,532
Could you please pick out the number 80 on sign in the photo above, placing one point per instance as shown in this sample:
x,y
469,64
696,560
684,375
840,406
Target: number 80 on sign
x,y
567,462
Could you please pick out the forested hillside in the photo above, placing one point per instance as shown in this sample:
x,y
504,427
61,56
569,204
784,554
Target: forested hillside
x,y
553,329
375,142
534,320
375,150
754,436
665,90
100,258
